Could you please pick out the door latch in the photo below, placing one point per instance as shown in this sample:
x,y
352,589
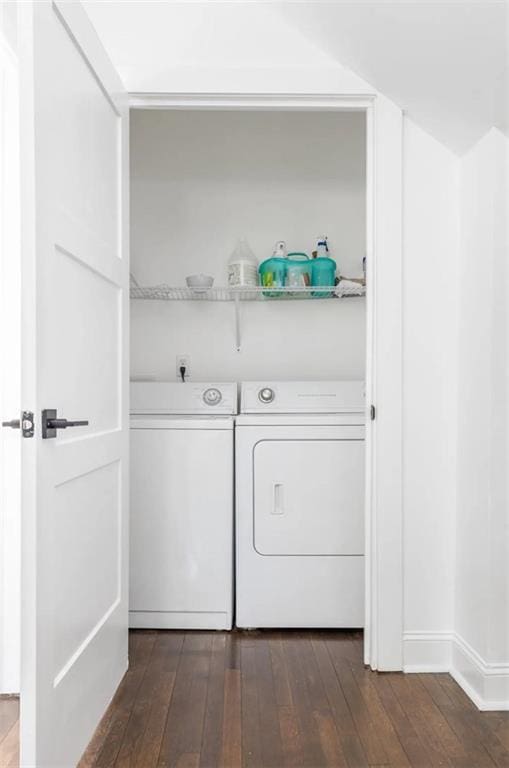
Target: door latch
x,y
372,413
25,423
50,423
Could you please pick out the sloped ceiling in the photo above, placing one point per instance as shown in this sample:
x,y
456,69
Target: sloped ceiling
x,y
445,62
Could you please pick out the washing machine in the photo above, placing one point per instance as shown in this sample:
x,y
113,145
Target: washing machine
x,y
181,511
300,504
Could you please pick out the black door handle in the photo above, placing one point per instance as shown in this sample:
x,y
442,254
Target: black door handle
x,y
64,423
50,423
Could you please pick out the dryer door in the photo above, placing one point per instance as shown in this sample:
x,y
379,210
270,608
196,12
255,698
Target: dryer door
x,y
309,497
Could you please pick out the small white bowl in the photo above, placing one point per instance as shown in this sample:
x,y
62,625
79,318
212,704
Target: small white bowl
x,y
199,283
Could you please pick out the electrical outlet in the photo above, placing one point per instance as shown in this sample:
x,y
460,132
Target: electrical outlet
x,y
183,361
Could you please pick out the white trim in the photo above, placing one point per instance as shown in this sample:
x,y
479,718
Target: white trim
x,y
10,381
370,588
81,30
427,651
247,101
383,647
486,683
487,667
384,529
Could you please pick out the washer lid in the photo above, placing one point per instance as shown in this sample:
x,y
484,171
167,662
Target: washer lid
x,y
180,422
302,397
171,397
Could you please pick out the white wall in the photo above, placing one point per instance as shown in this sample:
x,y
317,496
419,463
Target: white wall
x,y
481,641
430,246
202,179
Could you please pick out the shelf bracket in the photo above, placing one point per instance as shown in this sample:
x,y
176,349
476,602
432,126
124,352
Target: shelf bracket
x,y
237,320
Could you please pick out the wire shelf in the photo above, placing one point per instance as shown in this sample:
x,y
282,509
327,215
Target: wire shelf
x,y
171,293
344,289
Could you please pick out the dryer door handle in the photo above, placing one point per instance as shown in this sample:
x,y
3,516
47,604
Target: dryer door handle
x,y
277,506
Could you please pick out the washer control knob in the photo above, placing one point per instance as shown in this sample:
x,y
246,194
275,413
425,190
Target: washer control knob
x,y
212,396
266,395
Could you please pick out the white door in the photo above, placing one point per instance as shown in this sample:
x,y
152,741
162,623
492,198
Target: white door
x,y
74,118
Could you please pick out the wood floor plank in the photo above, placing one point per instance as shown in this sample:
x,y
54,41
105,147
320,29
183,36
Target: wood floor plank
x,y
251,741
474,722
184,727
435,690
499,724
318,700
430,712
189,760
407,735
112,730
477,755
131,750
329,740
468,724
234,641
166,658
366,729
270,736
231,753
494,747
290,737
312,753
213,723
457,695
396,755
349,738
280,672
408,697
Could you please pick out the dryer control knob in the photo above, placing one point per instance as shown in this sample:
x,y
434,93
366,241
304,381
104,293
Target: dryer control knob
x,y
266,395
212,396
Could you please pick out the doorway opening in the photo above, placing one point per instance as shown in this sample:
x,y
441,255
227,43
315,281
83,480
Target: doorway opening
x,y
201,181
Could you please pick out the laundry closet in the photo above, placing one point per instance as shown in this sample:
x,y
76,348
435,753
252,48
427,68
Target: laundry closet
x,y
247,401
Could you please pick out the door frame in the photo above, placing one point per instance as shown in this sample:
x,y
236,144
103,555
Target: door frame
x,y
10,336
383,633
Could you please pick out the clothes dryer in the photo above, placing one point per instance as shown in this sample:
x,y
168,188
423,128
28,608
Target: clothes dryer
x,y
300,504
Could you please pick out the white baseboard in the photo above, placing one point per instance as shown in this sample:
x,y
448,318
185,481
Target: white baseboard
x,y
486,683
427,651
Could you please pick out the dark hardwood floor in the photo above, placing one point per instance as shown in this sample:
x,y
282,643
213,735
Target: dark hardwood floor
x,y
283,700
9,732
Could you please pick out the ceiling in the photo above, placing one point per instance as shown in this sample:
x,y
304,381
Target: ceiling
x,y
445,62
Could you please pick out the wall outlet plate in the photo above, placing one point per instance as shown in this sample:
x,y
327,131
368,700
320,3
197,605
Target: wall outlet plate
x,y
183,361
